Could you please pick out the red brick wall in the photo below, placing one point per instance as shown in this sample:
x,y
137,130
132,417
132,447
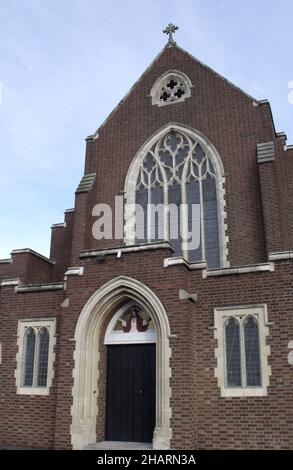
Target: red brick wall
x,y
61,246
200,417
250,422
28,267
25,421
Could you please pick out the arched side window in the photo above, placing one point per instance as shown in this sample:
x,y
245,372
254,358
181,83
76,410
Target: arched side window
x,y
177,184
242,352
35,357
29,347
233,356
252,351
172,87
42,357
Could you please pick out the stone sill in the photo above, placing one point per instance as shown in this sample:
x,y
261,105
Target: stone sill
x,y
269,267
125,249
282,255
40,287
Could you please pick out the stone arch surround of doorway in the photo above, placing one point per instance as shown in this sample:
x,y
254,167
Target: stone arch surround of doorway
x,y
87,357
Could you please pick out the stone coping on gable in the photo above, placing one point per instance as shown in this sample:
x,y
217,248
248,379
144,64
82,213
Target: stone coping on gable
x,y
32,252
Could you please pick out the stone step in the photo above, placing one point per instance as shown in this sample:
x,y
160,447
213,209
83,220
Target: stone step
x,y
115,445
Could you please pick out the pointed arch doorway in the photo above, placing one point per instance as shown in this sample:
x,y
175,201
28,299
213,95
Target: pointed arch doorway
x,y
87,364
131,375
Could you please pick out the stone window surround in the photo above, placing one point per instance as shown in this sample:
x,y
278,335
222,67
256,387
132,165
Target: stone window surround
x,y
85,389
131,182
220,316
157,87
23,325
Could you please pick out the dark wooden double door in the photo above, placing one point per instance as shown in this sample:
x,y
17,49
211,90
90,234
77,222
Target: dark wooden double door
x,y
131,392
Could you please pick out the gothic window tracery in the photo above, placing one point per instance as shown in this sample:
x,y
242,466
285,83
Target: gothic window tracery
x,y
243,364
177,170
35,357
171,87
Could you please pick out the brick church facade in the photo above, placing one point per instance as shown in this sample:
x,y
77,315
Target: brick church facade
x,y
141,338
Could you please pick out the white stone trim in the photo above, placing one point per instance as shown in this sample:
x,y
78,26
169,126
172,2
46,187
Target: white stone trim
x,y
220,315
176,260
270,267
281,134
185,295
78,271
50,324
32,252
86,358
6,261
125,249
119,337
157,86
9,282
281,255
290,354
40,287
288,147
132,175
60,225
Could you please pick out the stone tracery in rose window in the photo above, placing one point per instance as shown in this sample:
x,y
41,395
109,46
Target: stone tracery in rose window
x,y
172,87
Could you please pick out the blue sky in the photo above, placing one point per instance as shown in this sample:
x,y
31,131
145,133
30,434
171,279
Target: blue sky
x,y
65,64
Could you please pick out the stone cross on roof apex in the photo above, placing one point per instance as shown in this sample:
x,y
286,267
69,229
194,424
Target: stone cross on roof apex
x,y
170,30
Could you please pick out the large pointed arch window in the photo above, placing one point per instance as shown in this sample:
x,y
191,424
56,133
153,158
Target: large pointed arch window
x,y
178,193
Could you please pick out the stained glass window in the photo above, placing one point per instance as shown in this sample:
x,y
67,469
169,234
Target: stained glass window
x,y
177,171
243,363
252,352
233,358
29,357
35,357
43,339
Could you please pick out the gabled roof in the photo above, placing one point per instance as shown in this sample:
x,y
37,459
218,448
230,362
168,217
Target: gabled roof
x,y
173,45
